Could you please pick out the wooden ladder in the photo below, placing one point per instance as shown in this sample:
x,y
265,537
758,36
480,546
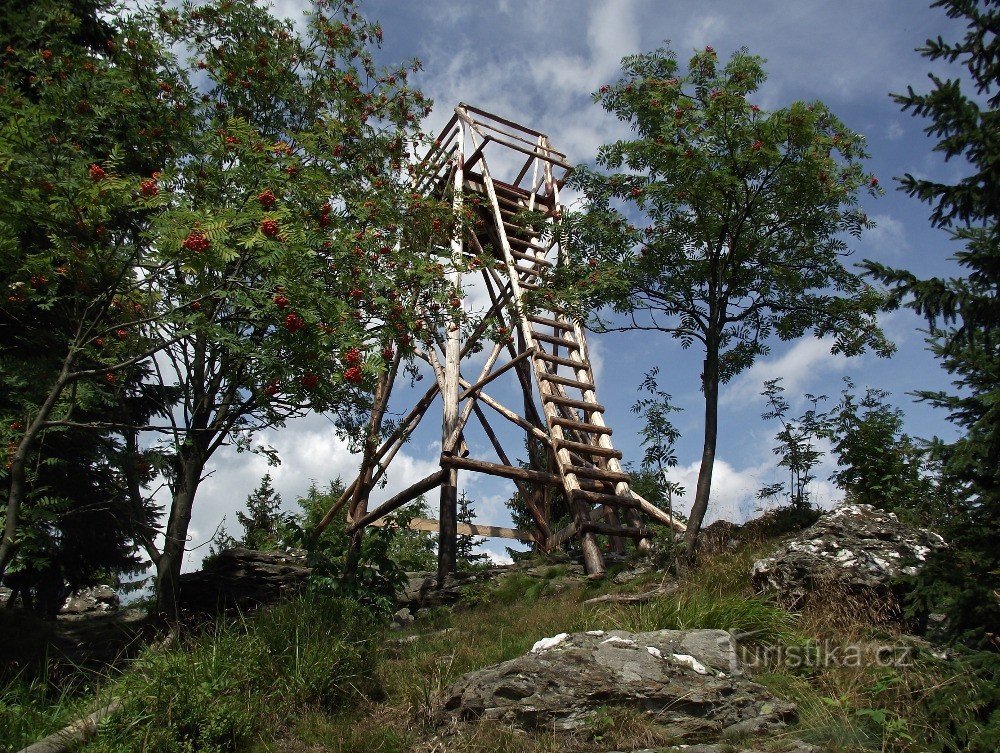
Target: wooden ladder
x,y
587,463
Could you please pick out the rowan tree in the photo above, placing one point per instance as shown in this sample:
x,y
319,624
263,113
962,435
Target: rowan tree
x,y
721,224
74,152
286,216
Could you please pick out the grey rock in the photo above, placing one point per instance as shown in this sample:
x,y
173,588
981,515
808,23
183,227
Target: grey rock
x,y
627,576
689,679
421,590
93,599
854,548
786,746
401,619
243,578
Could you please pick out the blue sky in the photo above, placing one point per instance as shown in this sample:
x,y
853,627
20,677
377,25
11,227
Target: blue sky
x,y
538,63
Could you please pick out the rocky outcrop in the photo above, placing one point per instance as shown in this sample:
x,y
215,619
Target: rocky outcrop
x,y
243,578
689,680
93,600
854,549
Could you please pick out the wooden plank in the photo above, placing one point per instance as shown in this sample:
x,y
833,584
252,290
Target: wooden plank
x,y
464,529
566,381
530,257
597,473
595,450
603,498
555,359
560,341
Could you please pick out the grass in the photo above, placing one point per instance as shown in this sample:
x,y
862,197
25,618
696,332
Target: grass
x,y
322,676
225,688
32,709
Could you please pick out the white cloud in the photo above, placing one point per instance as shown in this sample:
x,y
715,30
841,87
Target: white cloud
x,y
894,131
734,490
807,359
310,451
887,238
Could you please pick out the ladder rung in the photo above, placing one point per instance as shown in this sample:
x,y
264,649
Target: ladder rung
x,y
546,322
588,449
603,528
601,498
560,360
530,285
595,485
528,270
529,257
596,473
525,244
582,404
556,340
566,381
569,423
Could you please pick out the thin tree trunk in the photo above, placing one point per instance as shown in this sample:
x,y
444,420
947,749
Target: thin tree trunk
x,y
168,566
16,490
703,490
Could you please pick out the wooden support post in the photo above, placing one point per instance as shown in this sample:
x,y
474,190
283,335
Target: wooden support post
x,y
448,508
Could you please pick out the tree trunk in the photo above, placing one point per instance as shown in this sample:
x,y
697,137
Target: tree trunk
x,y
191,463
16,490
710,386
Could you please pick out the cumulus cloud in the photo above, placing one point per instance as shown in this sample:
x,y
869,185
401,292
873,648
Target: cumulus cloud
x,y
734,490
806,360
310,452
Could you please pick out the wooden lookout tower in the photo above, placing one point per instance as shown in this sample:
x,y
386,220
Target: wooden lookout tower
x,y
510,177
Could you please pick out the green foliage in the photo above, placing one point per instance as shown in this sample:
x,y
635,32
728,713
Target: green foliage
x,y
879,464
797,445
220,690
263,524
964,712
414,551
962,312
30,710
372,574
658,438
465,554
761,620
742,220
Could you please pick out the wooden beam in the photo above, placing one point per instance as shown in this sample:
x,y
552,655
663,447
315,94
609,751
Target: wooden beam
x,y
610,530
512,416
411,492
493,375
464,529
391,446
504,471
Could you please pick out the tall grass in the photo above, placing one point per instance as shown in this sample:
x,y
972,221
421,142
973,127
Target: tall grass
x,y
757,618
32,709
225,688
